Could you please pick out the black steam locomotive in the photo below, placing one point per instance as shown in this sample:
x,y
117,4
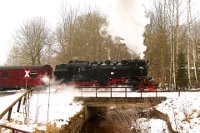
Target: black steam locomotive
x,y
85,73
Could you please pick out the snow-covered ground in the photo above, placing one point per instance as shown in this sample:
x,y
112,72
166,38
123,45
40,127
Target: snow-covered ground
x,y
183,112
7,98
58,106
44,106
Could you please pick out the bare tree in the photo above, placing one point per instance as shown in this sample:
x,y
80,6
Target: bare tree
x,y
162,38
32,41
157,41
64,34
191,44
80,36
174,17
188,40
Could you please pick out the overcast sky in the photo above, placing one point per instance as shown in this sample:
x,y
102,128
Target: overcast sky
x,y
14,12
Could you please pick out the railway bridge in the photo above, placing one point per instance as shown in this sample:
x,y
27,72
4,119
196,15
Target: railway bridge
x,y
94,105
98,100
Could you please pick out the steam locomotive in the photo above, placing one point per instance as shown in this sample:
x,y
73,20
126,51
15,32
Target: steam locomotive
x,y
107,73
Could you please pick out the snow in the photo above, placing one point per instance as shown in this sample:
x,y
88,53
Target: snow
x,y
152,126
44,107
183,111
8,98
56,105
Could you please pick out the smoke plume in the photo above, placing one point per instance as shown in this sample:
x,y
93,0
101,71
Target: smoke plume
x,y
127,20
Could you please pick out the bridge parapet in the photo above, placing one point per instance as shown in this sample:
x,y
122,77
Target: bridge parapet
x,y
94,105
120,100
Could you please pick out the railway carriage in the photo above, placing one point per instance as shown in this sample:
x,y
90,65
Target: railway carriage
x,y
17,77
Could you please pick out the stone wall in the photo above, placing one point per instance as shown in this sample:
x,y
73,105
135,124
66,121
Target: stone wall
x,y
75,123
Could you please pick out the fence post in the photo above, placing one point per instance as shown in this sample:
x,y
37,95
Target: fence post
x,y
96,92
24,99
156,93
81,92
126,92
9,114
111,92
19,104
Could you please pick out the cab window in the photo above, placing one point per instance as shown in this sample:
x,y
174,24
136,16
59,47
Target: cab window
x,y
5,75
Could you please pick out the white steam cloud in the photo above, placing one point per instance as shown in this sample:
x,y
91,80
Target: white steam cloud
x,y
127,20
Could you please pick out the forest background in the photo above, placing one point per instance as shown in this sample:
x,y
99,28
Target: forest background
x,y
171,39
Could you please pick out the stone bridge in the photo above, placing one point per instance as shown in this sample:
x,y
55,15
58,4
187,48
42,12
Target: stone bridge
x,y
95,105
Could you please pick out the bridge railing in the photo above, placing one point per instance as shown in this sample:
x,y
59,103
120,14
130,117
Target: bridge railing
x,y
19,102
124,91
111,91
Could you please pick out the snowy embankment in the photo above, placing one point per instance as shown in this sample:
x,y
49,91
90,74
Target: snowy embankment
x,y
43,107
183,112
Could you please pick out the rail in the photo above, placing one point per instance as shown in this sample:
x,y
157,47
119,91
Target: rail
x,y
21,100
124,90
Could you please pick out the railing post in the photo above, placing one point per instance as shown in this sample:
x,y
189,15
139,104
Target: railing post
x,y
111,92
81,92
96,92
156,93
24,99
28,97
19,104
126,92
9,114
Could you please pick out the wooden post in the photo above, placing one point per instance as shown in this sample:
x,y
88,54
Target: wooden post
x,y
96,92
19,104
24,99
9,114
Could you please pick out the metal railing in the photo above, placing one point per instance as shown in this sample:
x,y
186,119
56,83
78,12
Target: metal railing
x,y
125,90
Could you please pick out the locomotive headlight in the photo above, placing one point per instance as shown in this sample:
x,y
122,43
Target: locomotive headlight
x,y
112,73
141,68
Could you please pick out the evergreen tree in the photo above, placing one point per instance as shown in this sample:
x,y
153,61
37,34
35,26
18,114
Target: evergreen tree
x,y
181,77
